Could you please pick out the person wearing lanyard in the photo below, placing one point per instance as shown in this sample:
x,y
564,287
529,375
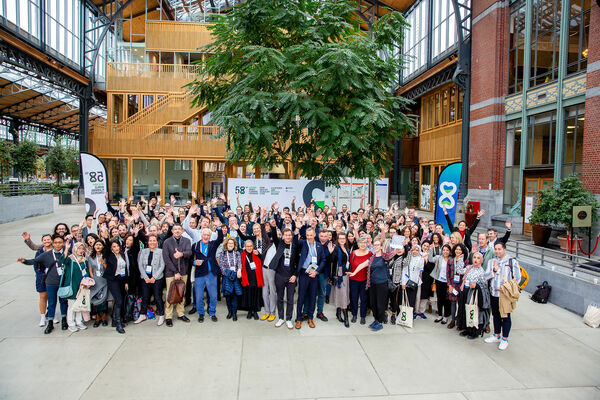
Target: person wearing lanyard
x,y
115,275
204,252
441,283
40,287
177,251
285,263
96,266
252,280
338,276
53,270
231,269
75,271
311,263
151,266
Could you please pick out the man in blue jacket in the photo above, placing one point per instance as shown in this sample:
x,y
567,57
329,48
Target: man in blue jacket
x,y
311,263
207,268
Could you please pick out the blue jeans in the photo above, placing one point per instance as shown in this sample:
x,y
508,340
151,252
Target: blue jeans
x,y
307,290
232,303
210,282
52,297
321,292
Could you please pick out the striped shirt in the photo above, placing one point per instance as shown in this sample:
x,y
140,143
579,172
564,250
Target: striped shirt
x,y
503,274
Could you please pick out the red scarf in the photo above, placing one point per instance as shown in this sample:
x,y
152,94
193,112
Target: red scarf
x,y
258,270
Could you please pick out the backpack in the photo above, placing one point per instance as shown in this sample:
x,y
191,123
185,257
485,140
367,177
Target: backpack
x,y
524,275
542,293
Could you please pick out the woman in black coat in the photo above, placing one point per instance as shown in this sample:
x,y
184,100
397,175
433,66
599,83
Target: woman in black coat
x,y
116,275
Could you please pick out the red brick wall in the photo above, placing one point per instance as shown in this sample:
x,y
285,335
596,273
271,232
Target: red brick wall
x,y
488,80
591,135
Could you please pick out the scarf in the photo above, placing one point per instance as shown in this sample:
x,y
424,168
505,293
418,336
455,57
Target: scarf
x,y
340,269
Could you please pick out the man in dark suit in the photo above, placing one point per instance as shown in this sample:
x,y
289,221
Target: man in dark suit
x,y
177,251
311,263
285,265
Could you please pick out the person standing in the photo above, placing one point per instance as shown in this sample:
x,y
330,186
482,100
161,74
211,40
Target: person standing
x,y
115,275
40,286
207,267
441,282
252,279
359,261
176,253
75,271
96,266
340,286
50,263
231,269
151,265
377,283
285,264
505,273
311,263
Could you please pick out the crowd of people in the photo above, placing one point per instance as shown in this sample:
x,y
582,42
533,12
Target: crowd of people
x,y
272,260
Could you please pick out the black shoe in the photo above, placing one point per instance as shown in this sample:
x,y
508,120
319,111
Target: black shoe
x,y
97,323
249,316
327,299
170,322
338,314
304,317
63,324
393,319
322,317
120,328
346,321
183,318
353,319
192,311
104,322
49,327
214,318
234,317
200,317
385,318
464,333
113,324
229,315
255,315
472,337
363,321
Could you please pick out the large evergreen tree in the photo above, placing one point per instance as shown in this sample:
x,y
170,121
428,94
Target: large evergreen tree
x,y
299,81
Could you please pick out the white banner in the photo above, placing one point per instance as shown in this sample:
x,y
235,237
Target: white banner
x,y
381,190
94,182
264,192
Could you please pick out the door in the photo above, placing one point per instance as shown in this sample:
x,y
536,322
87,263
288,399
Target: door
x,y
532,186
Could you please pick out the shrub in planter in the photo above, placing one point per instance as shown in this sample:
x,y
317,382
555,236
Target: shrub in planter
x,y
541,217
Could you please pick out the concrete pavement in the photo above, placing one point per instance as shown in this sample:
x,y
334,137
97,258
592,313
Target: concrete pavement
x,y
552,354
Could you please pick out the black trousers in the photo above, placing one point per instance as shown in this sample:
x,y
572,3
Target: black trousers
x,y
379,296
307,287
188,285
500,324
412,296
461,316
114,287
443,304
395,299
358,290
156,289
284,287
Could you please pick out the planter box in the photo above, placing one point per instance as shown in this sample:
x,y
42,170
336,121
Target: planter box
x,y
64,198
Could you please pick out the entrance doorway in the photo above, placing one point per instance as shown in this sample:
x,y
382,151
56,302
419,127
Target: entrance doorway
x,y
533,182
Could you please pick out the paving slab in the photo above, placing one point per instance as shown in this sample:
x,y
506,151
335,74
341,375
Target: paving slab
x,y
575,393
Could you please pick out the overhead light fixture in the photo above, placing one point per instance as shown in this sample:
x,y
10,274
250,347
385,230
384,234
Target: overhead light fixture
x,y
584,53
581,118
571,127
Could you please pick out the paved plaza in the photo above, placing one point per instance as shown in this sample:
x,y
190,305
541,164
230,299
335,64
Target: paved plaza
x,y
552,354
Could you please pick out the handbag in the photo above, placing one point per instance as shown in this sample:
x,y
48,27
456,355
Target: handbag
x,y
472,311
405,318
66,291
392,286
411,284
176,291
592,316
83,300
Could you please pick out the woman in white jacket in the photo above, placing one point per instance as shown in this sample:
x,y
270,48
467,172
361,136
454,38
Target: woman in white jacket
x,y
412,267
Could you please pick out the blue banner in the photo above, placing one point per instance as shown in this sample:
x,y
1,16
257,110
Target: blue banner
x,y
447,194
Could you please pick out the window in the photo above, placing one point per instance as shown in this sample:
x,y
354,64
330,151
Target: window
x,y
178,176
516,47
541,139
574,119
441,108
579,32
545,34
116,169
443,21
146,178
512,163
415,40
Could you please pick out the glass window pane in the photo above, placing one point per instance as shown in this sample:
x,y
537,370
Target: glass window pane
x,y
116,169
178,177
146,178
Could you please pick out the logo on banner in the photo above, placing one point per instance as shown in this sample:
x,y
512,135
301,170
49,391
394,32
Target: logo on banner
x,y
447,191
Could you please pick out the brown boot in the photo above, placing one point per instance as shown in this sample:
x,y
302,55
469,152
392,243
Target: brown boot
x,y
451,325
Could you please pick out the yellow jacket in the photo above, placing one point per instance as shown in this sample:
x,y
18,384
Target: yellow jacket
x,y
508,297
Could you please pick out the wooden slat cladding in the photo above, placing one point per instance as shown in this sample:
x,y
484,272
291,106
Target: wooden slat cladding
x,y
176,36
148,78
440,145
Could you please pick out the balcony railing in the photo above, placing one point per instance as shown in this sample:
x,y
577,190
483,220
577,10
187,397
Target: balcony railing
x,y
148,78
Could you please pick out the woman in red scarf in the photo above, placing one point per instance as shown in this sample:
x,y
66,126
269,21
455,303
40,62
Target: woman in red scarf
x,y
252,279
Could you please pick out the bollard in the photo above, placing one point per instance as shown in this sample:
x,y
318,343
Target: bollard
x,y
13,187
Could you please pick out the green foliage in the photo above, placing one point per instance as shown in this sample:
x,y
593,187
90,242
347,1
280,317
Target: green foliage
x,y
56,160
555,203
72,162
298,81
6,160
413,194
40,164
25,156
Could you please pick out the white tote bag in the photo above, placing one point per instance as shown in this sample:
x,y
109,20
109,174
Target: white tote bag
x,y
269,255
472,311
405,318
592,316
83,300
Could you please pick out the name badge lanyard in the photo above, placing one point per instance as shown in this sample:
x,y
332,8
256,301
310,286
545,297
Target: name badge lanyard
x,y
59,268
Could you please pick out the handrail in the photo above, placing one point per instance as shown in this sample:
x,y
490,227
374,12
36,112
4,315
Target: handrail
x,y
104,130
124,67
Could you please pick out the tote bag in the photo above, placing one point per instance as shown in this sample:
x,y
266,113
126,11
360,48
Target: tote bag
x,y
405,318
83,300
592,316
472,311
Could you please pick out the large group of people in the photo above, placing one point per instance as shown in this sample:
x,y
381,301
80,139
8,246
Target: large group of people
x,y
268,261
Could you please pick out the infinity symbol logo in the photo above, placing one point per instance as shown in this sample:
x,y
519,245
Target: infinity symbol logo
x,y
403,317
472,314
447,190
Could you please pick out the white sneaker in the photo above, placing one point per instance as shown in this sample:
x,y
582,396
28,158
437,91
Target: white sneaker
x,y
56,319
279,323
503,344
43,320
141,318
289,324
81,327
492,339
161,320
73,329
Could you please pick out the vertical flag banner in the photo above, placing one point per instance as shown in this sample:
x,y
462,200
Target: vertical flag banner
x,y
447,194
94,178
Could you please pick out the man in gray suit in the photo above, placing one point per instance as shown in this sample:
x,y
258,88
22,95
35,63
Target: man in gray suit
x,y
177,251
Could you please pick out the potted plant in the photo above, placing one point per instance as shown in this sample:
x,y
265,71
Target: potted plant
x,y
570,192
470,214
542,217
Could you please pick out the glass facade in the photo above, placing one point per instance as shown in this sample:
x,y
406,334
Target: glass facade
x,y
512,162
178,179
516,42
545,34
415,40
574,120
579,32
146,178
541,139
443,27
116,169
